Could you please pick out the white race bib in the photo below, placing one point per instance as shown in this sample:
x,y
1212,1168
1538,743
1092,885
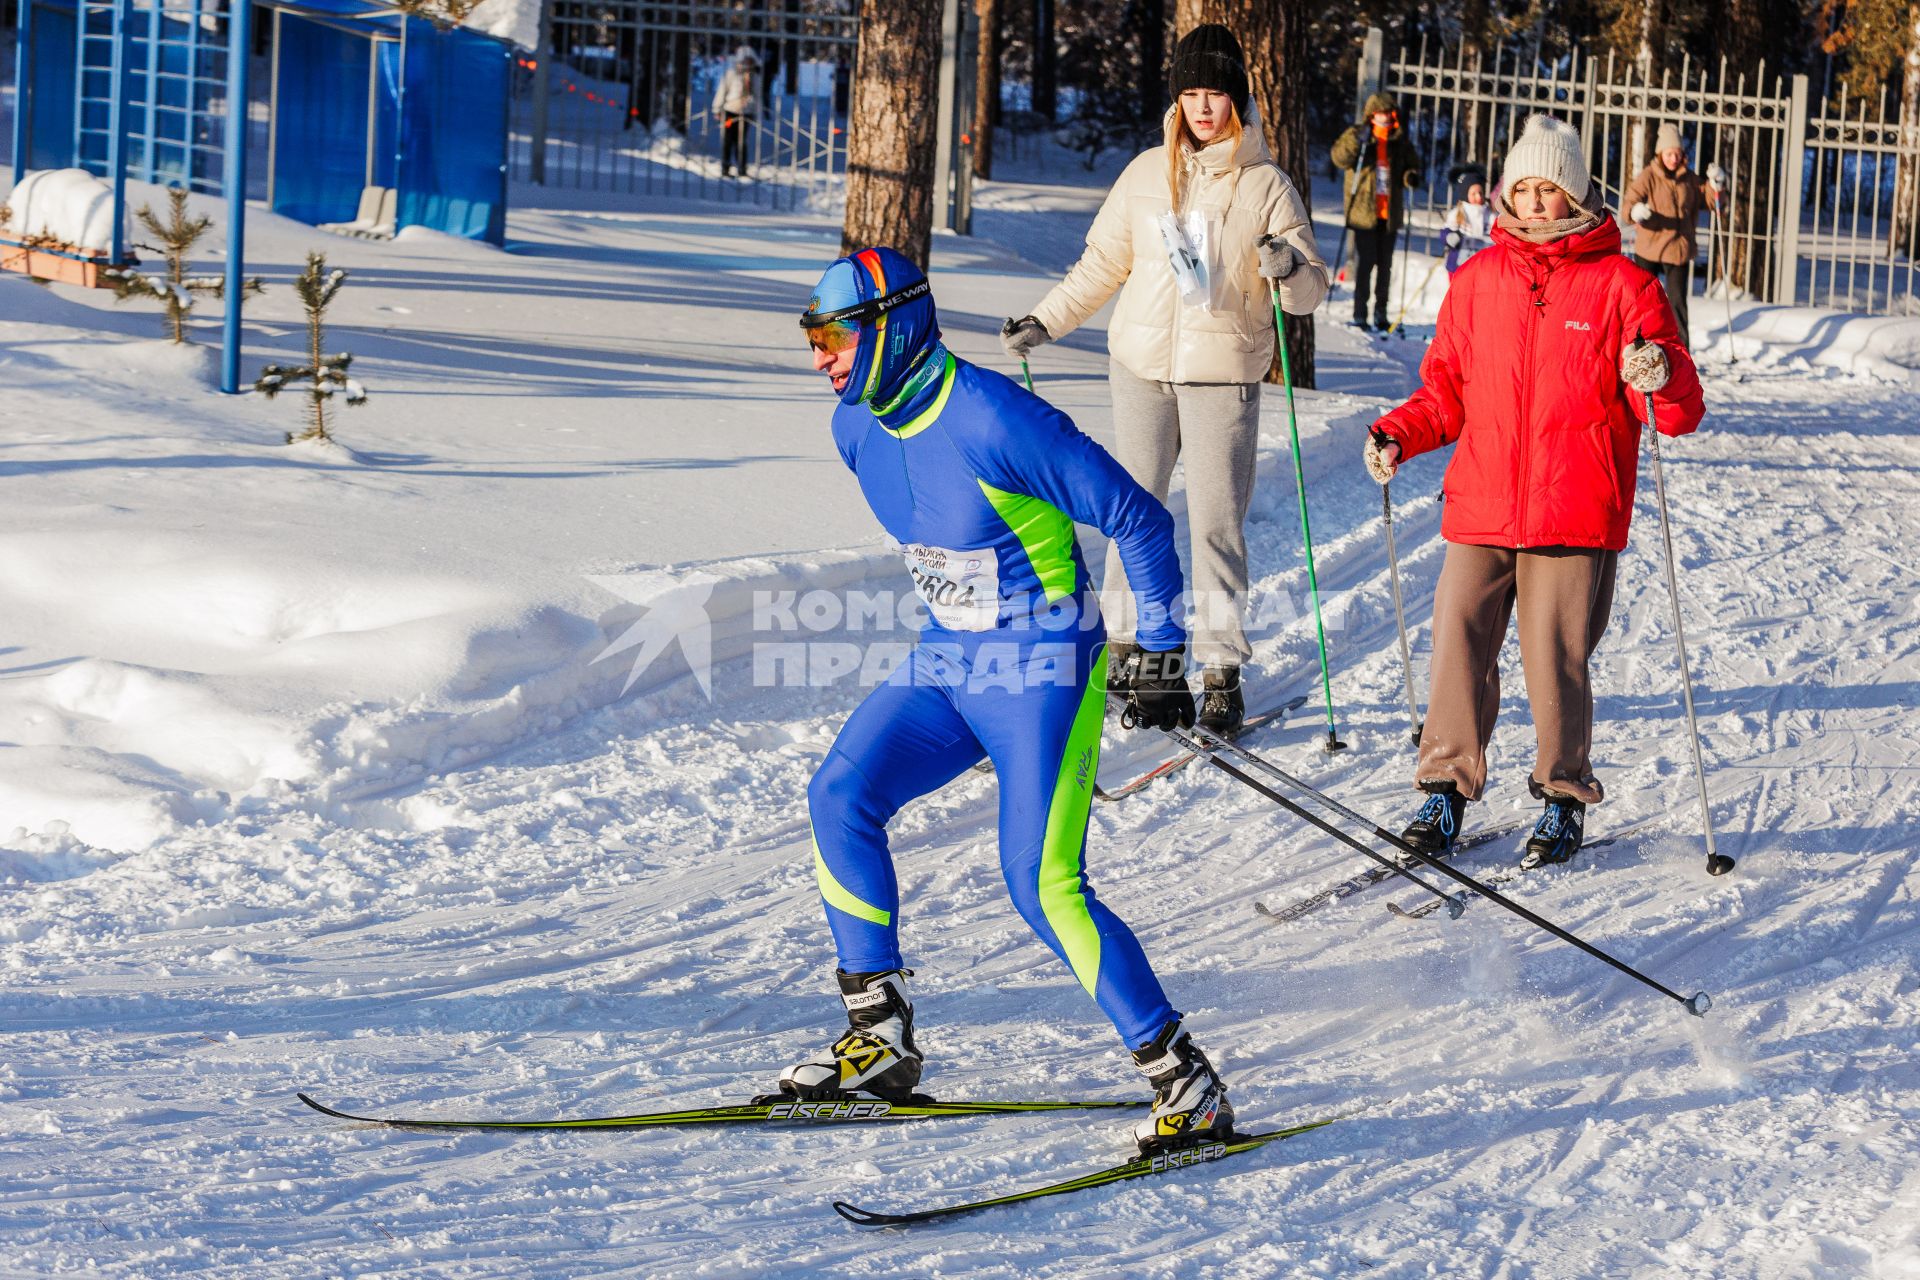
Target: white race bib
x,y
961,588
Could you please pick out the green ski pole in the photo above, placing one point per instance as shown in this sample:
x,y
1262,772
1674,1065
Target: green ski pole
x,y
1306,535
1026,372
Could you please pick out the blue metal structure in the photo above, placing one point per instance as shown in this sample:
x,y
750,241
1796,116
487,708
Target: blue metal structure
x,y
157,90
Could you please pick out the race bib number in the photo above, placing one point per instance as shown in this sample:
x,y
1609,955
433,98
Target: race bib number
x,y
961,588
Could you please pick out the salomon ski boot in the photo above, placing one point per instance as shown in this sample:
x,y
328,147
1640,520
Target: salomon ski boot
x,y
1556,837
1189,1099
1222,708
1434,829
876,1057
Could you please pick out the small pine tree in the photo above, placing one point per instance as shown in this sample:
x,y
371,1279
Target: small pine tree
x,y
326,374
176,290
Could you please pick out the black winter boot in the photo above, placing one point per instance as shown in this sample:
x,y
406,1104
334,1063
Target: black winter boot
x,y
1434,829
1556,837
1223,709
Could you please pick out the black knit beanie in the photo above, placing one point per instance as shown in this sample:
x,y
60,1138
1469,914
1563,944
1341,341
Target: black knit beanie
x,y
1208,57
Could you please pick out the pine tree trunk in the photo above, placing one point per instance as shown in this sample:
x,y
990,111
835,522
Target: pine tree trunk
x,y
1273,34
1906,181
890,135
313,359
1151,15
986,87
1046,97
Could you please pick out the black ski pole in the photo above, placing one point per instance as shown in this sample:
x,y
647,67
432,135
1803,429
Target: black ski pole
x,y
1698,1003
1455,904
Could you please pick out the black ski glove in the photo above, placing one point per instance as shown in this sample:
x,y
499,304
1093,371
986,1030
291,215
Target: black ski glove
x,y
1158,697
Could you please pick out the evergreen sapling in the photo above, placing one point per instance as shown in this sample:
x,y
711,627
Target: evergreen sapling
x,y
176,290
325,375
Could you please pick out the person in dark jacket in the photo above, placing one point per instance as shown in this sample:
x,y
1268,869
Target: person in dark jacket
x,y
1380,165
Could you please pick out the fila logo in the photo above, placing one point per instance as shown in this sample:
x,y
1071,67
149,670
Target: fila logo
x,y
1581,325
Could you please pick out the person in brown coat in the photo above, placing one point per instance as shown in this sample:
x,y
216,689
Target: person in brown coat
x,y
1665,201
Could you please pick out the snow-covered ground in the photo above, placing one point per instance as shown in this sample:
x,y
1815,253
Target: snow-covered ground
x,y
319,786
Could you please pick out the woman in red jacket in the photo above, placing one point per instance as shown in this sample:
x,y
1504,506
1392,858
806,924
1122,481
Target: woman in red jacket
x,y
1537,372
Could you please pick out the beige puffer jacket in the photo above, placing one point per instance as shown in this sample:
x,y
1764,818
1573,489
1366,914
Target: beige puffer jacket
x,y
1152,333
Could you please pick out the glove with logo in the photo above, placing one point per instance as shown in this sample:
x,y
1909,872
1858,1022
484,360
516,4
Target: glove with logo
x,y
1382,455
1159,697
1643,366
1278,259
1640,211
1023,335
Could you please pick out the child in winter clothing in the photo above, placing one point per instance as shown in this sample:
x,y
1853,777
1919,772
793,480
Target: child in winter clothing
x,y
1469,226
1193,236
1536,372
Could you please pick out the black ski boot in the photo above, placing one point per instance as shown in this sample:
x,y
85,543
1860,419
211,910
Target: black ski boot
x,y
877,1057
1434,829
1223,709
1556,837
1189,1099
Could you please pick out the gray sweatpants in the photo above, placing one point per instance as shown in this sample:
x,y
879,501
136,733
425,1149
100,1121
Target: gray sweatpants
x,y
1216,428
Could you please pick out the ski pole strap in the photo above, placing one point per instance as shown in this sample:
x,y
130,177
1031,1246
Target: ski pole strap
x,y
1455,905
1696,1004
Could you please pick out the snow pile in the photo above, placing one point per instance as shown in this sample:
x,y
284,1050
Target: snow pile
x,y
516,21
1884,347
70,205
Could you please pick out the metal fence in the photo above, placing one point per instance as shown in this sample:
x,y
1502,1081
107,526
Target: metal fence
x,y
622,98
1809,212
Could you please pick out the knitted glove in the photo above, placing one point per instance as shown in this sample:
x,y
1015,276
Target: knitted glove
x,y
1640,212
1382,455
1278,259
1159,697
1453,239
1643,367
1716,176
1023,335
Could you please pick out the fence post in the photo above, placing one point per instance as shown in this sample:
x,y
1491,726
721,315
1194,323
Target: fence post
x,y
22,88
233,181
1793,150
543,55
1372,59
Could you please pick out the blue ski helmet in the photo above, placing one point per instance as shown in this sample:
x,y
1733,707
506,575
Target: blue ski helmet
x,y
891,302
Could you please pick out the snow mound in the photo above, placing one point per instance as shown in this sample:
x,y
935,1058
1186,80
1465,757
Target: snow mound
x,y
71,205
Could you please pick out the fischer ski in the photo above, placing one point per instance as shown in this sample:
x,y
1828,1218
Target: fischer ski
x,y
1375,874
1178,1160
767,1109
1185,758
1495,881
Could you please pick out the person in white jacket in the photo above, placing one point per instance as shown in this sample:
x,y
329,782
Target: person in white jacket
x,y
737,101
1190,236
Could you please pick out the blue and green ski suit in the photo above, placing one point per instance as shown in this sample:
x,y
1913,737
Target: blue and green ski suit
x,y
981,482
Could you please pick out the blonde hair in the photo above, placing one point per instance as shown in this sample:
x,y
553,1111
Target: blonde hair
x,y
1183,141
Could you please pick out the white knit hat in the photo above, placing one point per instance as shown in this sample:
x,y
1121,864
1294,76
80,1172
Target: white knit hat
x,y
1550,149
1668,139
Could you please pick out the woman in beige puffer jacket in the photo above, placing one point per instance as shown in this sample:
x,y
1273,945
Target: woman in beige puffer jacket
x,y
1188,356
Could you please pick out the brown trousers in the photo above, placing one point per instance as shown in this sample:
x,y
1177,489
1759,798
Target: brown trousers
x,y
1564,596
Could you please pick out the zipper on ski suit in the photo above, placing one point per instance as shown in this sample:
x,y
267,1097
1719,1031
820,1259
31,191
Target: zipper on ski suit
x,y
1538,306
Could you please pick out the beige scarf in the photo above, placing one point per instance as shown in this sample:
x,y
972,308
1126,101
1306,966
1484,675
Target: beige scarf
x,y
1547,232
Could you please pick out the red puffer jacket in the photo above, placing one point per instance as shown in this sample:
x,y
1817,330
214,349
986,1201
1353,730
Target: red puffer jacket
x,y
1524,372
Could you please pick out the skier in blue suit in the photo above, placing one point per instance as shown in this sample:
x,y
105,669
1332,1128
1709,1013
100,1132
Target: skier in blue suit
x,y
980,483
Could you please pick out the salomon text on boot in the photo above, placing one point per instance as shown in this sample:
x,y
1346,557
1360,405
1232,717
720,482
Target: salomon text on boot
x,y
1189,1099
876,1057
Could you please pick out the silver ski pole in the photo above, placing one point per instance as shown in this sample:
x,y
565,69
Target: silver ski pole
x,y
1208,744
1718,864
1400,615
